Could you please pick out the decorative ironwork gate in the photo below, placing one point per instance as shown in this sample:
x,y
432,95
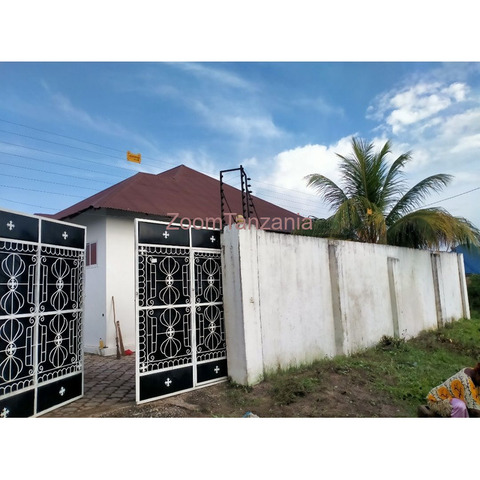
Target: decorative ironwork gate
x,y
41,287
180,327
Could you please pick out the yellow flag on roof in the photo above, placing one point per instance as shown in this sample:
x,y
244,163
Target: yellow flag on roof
x,y
134,157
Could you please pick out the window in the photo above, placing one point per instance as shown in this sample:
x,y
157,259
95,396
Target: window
x,y
91,254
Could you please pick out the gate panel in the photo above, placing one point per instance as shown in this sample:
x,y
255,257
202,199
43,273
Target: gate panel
x,y
41,287
181,338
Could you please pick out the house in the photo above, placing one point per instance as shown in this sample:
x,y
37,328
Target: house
x,y
180,194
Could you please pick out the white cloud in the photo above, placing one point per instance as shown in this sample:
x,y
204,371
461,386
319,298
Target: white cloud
x,y
236,121
216,75
290,167
411,105
321,105
469,142
106,126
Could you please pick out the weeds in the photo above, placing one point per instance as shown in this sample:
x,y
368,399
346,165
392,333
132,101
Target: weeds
x,y
387,343
396,371
286,389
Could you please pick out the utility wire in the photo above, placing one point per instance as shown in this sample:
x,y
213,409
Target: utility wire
x,y
53,173
42,191
76,139
59,135
275,195
453,196
60,144
28,204
66,156
46,181
91,151
83,169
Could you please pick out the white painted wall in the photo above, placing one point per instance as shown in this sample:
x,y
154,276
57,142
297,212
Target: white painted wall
x,y
294,292
415,290
114,275
289,300
94,326
451,290
120,281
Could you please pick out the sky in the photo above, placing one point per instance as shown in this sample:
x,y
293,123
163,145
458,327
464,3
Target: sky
x,y
65,127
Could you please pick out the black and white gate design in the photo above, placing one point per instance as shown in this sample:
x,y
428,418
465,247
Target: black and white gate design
x,y
41,287
180,329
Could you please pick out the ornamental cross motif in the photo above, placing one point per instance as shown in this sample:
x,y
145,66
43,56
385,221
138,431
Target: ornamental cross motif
x,y
4,413
168,382
65,235
10,225
62,391
166,234
216,369
212,238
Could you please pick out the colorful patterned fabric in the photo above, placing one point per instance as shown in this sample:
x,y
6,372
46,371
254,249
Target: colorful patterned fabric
x,y
458,386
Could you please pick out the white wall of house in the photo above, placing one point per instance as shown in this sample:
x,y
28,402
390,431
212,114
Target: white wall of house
x,y
94,326
113,276
289,300
120,281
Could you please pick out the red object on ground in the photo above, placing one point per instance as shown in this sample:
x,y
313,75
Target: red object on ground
x,y
128,352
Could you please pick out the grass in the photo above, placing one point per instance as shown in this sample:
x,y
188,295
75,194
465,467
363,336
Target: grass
x,y
407,370
396,370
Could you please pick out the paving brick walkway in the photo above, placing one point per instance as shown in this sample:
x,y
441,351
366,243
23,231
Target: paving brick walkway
x,y
108,383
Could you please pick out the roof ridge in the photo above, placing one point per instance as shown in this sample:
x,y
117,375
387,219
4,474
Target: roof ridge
x,y
183,190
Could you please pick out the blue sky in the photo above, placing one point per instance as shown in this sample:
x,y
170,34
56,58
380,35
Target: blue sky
x,y
65,127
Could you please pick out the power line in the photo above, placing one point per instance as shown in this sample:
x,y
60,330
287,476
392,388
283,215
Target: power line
x,y
66,156
101,146
312,199
42,191
453,196
73,138
290,202
59,135
46,181
51,173
290,190
60,144
28,204
60,164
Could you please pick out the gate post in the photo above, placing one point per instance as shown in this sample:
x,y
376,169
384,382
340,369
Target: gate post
x,y
242,305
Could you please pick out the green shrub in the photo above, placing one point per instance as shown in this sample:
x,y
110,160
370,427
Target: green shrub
x,y
473,287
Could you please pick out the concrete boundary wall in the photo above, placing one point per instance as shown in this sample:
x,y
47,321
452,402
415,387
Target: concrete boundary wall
x,y
289,300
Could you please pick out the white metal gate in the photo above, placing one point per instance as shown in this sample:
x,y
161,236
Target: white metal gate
x,y
180,329
41,309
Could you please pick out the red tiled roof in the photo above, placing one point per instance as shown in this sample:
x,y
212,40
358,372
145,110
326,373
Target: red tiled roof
x,y
180,190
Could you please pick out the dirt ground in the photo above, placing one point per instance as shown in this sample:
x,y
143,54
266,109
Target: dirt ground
x,y
336,395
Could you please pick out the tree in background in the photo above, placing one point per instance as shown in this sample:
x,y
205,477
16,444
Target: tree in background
x,y
373,205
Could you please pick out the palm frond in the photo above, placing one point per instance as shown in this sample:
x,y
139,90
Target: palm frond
x,y
327,189
432,228
345,221
417,194
394,181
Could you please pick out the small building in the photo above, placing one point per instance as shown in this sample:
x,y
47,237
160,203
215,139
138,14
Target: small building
x,y
180,194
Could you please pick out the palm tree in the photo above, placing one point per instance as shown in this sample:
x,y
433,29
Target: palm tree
x,y
374,205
